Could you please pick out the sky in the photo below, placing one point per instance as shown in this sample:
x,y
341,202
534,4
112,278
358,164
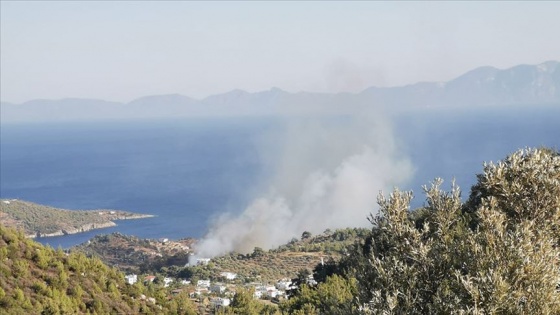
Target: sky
x,y
119,51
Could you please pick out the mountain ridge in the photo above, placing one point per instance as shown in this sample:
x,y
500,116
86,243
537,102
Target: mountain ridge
x,y
482,86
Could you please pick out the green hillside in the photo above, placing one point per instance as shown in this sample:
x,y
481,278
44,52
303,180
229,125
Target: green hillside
x,y
132,254
39,220
40,280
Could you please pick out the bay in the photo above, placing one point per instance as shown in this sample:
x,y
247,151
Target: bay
x,y
188,171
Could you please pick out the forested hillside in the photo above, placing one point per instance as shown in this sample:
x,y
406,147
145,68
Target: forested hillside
x,y
40,280
40,220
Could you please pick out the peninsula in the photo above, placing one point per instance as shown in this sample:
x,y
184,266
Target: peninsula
x,y
37,220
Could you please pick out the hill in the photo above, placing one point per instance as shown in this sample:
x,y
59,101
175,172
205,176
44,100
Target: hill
x,y
289,259
42,221
39,280
132,254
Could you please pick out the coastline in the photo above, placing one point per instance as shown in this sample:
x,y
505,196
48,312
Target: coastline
x,y
90,226
39,221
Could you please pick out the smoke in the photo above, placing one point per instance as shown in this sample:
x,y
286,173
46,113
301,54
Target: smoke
x,y
342,75
326,173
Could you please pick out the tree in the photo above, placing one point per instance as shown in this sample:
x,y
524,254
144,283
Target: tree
x,y
334,296
524,186
257,252
436,261
305,235
244,303
325,269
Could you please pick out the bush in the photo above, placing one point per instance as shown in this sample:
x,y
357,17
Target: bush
x,y
434,260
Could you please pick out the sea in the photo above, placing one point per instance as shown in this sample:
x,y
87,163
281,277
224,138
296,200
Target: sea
x,y
188,171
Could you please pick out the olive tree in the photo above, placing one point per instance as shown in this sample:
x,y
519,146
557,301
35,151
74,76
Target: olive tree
x,y
434,260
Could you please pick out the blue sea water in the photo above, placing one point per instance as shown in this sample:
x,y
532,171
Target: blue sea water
x,y
187,171
182,171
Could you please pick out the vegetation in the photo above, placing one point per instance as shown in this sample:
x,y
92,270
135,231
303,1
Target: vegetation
x,y
336,295
39,220
495,254
285,261
244,303
134,255
40,280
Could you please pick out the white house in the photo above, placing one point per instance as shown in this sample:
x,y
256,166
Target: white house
x,y
202,261
220,302
198,292
265,291
167,281
284,284
273,293
203,283
311,281
228,275
131,279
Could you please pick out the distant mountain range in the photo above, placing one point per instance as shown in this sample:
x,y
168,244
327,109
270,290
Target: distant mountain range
x,y
485,86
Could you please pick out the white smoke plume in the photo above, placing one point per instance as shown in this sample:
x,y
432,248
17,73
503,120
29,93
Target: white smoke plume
x,y
327,174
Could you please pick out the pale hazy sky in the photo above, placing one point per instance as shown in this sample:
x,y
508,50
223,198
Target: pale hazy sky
x,y
123,50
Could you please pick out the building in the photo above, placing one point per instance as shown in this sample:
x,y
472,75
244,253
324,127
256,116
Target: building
x,y
218,288
202,261
272,293
262,291
311,281
284,284
220,302
131,279
149,278
229,275
167,281
198,292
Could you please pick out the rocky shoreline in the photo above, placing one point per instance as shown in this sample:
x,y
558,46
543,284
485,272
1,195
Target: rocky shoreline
x,y
90,226
44,221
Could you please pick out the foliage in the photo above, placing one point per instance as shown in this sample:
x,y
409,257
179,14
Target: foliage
x,y
495,254
39,219
134,255
40,280
244,303
286,260
525,186
435,261
334,296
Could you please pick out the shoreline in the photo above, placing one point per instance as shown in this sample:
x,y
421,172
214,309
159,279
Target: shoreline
x,y
89,226
41,221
